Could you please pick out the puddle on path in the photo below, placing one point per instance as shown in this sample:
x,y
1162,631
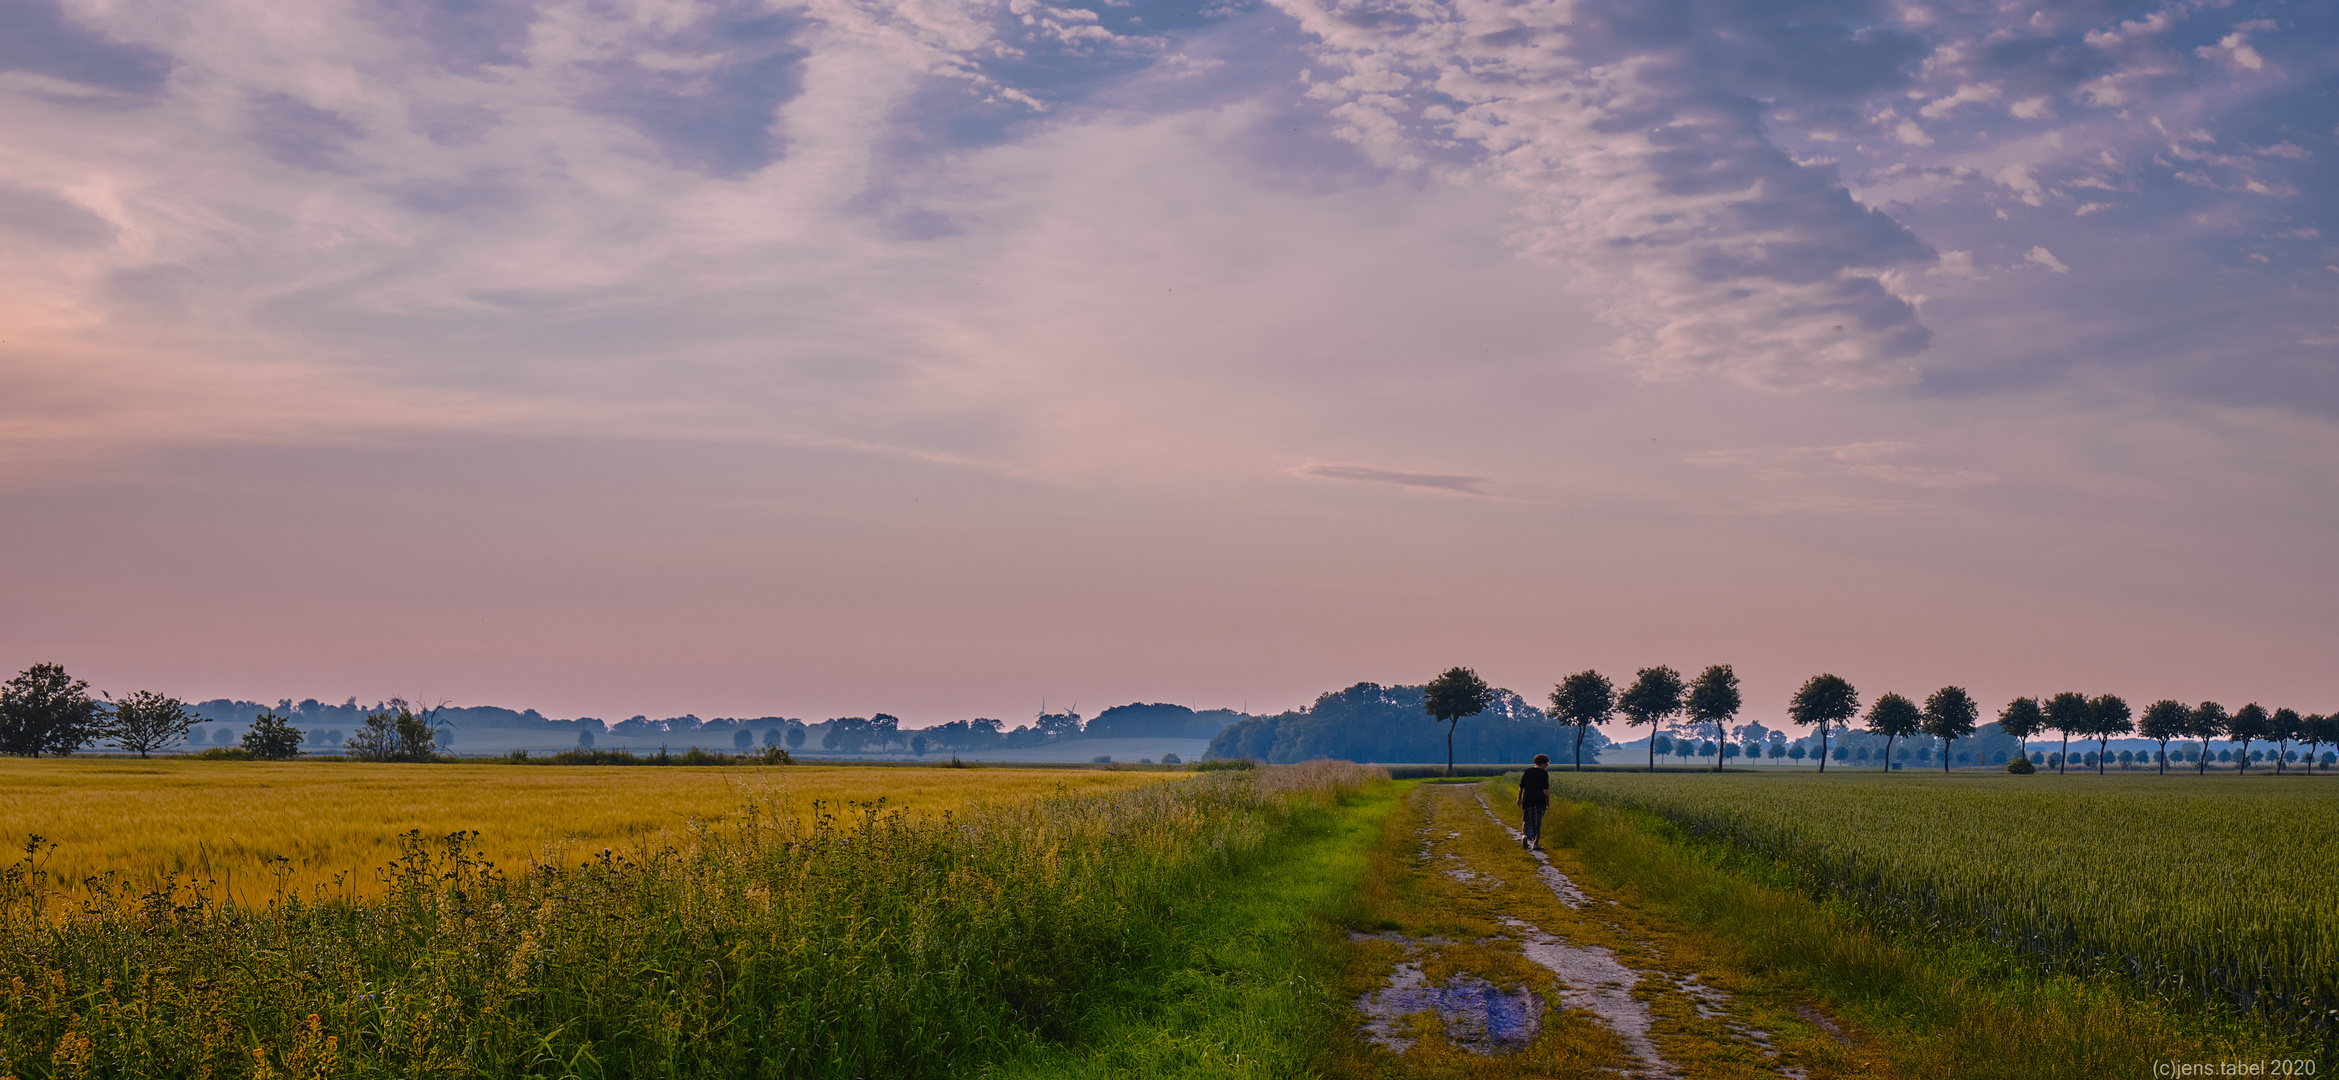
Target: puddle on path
x,y
1477,1015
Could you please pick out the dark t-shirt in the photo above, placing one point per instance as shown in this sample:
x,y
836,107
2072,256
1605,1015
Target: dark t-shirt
x,y
1535,788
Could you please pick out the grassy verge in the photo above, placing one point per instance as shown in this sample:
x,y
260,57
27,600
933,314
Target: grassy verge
x,y
1248,988
1945,1004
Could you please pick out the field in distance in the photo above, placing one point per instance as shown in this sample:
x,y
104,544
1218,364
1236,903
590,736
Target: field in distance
x,y
229,821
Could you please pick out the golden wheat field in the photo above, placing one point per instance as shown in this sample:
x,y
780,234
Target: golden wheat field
x,y
334,823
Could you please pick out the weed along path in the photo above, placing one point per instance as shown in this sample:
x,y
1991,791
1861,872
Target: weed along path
x,y
1480,958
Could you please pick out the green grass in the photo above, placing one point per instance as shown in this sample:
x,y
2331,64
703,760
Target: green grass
x,y
1249,989
2208,892
862,942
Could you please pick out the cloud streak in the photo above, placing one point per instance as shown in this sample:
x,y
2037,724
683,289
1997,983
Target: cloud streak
x,y
1366,474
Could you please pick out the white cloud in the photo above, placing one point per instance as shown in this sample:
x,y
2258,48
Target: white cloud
x,y
2040,256
1969,94
2017,178
2233,49
2034,108
1908,132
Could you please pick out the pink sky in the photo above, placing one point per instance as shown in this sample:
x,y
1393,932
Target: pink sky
x,y
937,358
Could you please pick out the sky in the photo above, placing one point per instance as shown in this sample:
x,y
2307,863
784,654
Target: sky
x,y
949,358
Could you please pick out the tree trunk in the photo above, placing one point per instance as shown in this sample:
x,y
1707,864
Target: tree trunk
x,y
2063,764
2164,757
1822,747
1652,746
1450,748
2201,764
1888,753
1945,745
1580,747
2100,743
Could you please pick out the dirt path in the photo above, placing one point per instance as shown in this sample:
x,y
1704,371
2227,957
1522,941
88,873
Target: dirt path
x,y
1494,960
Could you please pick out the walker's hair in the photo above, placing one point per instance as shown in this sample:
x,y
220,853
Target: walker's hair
x,y
1542,760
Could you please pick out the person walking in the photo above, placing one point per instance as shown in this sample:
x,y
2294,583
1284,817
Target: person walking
x,y
1534,798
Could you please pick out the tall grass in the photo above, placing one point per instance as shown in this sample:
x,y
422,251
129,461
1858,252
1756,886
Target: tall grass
x,y
2209,890
856,941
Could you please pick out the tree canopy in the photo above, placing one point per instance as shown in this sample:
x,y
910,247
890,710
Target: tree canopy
x,y
1824,701
146,721
43,710
1894,717
1582,701
1950,714
1654,697
1450,697
1714,699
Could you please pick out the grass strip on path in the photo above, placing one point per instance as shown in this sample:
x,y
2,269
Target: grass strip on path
x,y
1248,990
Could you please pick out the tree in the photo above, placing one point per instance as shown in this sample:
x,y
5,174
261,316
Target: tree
x,y
146,721
1950,714
1450,697
2282,727
2248,725
395,732
2067,713
1653,698
2310,732
2162,720
1713,699
796,737
1894,717
2107,715
2022,718
1824,700
272,738
45,711
918,744
1583,699
2207,721
1660,744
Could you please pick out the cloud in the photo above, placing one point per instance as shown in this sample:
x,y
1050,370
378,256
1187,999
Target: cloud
x,y
2040,256
2234,49
1629,139
1971,93
1366,474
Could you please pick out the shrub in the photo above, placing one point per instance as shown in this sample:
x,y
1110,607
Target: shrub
x,y
2021,766
1222,764
1172,759
227,753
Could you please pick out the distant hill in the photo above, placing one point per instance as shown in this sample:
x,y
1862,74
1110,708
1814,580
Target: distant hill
x,y
1371,722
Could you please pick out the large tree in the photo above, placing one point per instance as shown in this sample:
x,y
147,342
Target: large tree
x,y
1654,698
1824,700
1582,700
45,711
2163,720
2107,715
272,738
2022,718
146,721
2207,721
1450,697
1713,699
2248,725
2067,713
1950,714
2282,727
1894,717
